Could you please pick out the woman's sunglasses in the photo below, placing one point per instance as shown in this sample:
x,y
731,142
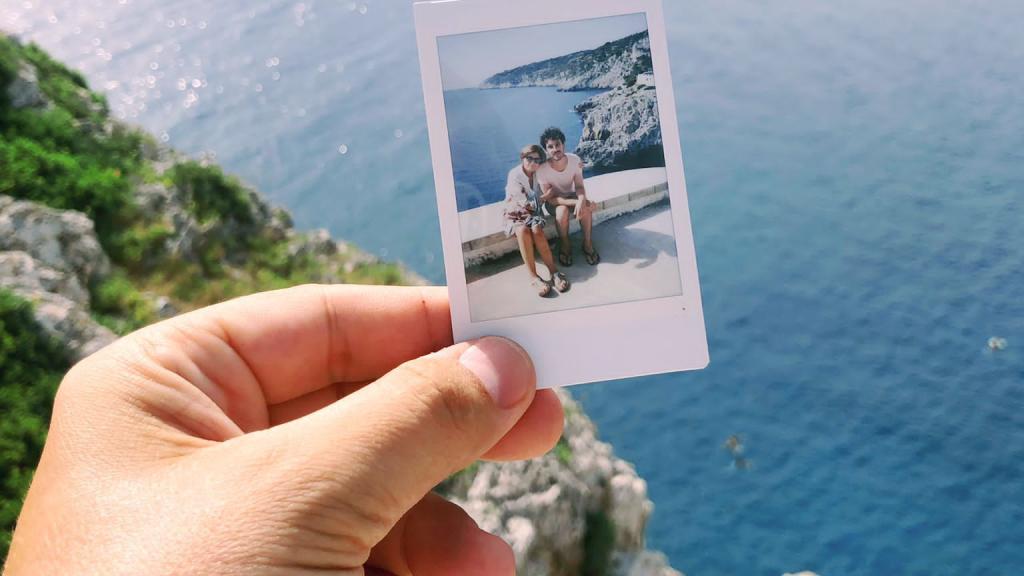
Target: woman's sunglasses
x,y
535,160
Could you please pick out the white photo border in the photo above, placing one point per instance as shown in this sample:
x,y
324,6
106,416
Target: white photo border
x,y
580,345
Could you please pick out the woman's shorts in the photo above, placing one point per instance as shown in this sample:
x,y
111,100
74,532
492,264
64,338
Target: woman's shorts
x,y
513,228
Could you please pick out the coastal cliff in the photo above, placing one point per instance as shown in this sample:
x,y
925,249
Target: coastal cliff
x,y
102,230
621,127
607,66
576,510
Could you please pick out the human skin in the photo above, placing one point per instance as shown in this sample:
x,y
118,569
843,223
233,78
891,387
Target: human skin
x,y
534,237
581,207
289,432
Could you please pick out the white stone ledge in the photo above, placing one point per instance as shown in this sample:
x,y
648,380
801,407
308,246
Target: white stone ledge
x,y
483,228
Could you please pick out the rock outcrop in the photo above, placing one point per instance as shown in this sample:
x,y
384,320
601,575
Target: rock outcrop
x,y
61,239
610,65
51,258
621,127
23,91
190,236
576,510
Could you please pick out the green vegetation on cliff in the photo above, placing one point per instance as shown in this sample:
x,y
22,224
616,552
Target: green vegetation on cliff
x,y
66,155
64,151
31,367
69,154
584,69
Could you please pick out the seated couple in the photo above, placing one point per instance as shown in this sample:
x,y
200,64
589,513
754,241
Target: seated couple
x,y
547,177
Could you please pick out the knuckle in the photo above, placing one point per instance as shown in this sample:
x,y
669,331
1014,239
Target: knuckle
x,y
448,401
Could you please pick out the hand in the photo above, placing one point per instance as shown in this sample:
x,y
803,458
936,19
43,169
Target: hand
x,y
582,207
289,432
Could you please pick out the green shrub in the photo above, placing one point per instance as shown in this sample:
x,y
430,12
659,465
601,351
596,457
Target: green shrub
x,y
8,66
67,156
57,129
210,194
562,451
377,273
64,87
140,248
31,171
598,544
118,305
31,366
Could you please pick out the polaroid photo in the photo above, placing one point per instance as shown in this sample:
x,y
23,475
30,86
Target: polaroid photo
x,y
560,187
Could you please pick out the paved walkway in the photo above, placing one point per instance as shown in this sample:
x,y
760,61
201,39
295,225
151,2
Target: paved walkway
x,y
638,262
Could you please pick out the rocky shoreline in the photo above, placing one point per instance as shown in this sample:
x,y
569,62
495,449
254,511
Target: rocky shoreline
x,y
621,127
576,510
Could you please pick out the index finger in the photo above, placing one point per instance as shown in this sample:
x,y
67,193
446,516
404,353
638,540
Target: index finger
x,y
299,340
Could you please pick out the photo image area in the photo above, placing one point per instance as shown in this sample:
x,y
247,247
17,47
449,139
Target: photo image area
x,y
594,80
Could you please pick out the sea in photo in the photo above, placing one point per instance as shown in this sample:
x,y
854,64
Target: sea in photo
x,y
488,127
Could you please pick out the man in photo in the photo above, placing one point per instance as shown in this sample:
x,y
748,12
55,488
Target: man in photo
x,y
562,190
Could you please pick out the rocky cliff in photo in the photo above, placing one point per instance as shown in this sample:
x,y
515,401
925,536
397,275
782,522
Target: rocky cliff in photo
x,y
621,127
607,66
621,130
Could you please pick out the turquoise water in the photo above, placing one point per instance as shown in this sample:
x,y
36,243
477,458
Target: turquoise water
x,y
856,179
487,128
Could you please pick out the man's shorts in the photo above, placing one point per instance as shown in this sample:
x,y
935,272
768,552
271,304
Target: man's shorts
x,y
550,208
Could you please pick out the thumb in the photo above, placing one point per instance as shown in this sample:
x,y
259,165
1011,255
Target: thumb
x,y
388,444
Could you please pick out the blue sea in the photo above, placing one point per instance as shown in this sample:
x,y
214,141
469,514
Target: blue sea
x,y
488,128
856,181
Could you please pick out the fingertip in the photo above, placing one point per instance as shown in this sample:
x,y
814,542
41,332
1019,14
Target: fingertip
x,y
494,555
536,432
503,368
441,539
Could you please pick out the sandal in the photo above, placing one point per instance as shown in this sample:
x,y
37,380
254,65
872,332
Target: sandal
x,y
565,258
592,257
560,281
542,287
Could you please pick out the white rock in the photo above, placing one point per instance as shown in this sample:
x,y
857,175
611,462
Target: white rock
x,y
620,128
630,510
644,563
69,323
23,91
19,271
541,506
64,240
60,304
50,257
521,536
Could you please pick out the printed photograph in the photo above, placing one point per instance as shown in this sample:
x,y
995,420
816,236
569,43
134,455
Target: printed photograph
x,y
559,168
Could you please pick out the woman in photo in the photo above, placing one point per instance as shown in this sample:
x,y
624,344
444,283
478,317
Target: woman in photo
x,y
524,219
